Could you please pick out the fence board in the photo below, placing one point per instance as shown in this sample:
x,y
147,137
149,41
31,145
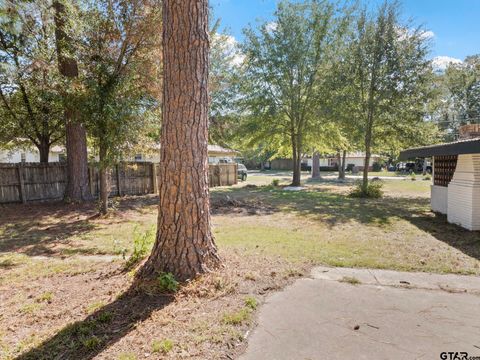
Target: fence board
x,y
41,182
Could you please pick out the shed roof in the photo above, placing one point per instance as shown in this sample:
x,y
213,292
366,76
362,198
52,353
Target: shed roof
x,y
467,146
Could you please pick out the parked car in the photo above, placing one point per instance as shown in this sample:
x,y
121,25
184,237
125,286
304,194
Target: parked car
x,y
242,172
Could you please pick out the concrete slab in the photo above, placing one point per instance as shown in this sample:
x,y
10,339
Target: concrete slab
x,y
324,318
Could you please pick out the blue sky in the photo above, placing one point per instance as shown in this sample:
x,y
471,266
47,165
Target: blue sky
x,y
454,23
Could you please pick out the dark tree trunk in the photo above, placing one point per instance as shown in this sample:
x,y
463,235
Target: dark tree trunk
x,y
44,149
316,165
77,166
185,245
297,160
104,185
341,164
366,163
76,137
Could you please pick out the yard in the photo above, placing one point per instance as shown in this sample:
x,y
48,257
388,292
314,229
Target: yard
x,y
64,280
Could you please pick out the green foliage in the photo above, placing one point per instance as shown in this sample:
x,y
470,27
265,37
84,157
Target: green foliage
x,y
376,166
142,243
275,182
413,176
91,342
237,317
251,302
427,177
167,283
374,190
283,80
163,346
350,280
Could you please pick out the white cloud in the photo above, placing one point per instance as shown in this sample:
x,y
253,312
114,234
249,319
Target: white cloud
x,y
428,34
440,63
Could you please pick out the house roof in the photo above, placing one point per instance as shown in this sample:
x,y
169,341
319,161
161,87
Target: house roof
x,y
221,150
467,146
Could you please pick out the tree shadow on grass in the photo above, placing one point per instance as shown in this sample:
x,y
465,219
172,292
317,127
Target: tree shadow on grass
x,y
98,331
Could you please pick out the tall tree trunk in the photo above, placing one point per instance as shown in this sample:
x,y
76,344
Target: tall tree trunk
x,y
185,245
76,137
297,160
44,149
344,159
366,163
316,165
104,185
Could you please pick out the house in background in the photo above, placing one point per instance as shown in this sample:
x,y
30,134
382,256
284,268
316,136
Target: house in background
x,y
329,162
31,155
216,154
456,177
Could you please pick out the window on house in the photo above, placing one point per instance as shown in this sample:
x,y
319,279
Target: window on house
x,y
62,158
138,157
23,157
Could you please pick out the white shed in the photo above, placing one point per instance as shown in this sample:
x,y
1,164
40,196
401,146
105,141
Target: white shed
x,y
456,177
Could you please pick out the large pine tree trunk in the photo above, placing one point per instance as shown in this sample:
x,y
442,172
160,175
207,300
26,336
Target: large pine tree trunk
x,y
76,137
316,165
185,245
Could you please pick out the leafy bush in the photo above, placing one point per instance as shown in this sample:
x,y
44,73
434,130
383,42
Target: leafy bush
x,y
376,166
427,177
413,177
275,182
142,242
374,190
167,282
251,302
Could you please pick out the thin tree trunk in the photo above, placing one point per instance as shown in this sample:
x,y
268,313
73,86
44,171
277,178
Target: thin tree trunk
x,y
344,159
104,186
77,189
184,245
297,160
366,163
316,165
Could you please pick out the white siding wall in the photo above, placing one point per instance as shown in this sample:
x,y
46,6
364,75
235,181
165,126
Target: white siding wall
x,y
464,193
439,199
30,156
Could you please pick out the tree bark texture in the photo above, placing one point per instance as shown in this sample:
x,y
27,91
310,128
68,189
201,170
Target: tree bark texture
x,y
77,189
104,185
184,245
43,149
297,159
316,165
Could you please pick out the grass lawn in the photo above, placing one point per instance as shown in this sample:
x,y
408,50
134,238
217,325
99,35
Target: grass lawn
x,y
64,285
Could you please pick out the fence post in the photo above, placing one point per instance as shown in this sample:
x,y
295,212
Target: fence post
x,y
119,186
21,186
154,178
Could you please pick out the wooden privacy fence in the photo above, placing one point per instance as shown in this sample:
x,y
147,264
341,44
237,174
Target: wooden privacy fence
x,y
24,182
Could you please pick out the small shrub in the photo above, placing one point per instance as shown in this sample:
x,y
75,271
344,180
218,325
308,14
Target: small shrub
x,y
164,346
251,302
94,306
105,317
237,317
275,182
373,191
46,296
91,343
167,282
142,242
413,177
349,167
376,166
427,177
